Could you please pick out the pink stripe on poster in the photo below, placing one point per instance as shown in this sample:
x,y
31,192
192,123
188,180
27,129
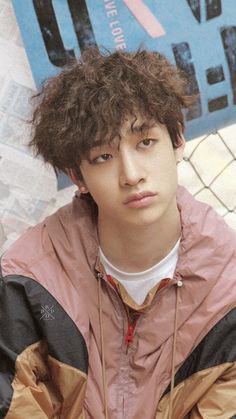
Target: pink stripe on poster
x,y
145,17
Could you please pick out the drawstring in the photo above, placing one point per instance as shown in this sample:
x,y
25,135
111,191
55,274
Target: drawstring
x,y
178,284
102,347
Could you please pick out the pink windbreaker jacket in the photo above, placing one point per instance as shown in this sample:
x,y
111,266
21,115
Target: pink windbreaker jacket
x,y
73,343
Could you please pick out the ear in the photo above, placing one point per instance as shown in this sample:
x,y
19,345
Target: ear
x,y
179,151
81,185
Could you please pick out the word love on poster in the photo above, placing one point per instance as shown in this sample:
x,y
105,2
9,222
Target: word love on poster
x,y
198,35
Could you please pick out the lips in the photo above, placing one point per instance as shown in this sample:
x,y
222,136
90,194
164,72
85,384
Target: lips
x,y
140,199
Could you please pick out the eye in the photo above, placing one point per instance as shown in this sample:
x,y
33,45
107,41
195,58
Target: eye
x,y
146,143
102,158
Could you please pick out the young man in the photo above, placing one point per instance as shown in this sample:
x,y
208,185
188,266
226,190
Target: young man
x,y
121,304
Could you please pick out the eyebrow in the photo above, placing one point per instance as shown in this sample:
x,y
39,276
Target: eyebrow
x,y
137,128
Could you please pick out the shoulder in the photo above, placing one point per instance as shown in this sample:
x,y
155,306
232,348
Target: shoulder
x,y
208,242
33,246
47,242
23,252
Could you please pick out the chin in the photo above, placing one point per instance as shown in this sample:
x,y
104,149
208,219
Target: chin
x,y
146,219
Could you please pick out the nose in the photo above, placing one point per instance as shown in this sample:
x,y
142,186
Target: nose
x,y
131,170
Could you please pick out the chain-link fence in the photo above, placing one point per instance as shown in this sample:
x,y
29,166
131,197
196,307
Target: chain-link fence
x,y
208,170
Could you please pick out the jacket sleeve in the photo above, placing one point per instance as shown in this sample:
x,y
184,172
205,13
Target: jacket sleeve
x,y
217,361
220,400
205,384
39,375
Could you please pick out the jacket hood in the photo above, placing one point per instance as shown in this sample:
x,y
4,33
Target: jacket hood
x,y
205,237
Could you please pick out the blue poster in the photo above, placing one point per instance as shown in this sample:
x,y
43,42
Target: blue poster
x,y
197,35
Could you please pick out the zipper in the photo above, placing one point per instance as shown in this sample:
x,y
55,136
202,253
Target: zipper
x,y
131,326
130,333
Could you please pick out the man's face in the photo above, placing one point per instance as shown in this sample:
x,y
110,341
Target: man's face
x,y
133,180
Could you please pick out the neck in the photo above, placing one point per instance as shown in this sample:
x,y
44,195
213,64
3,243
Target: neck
x,y
135,248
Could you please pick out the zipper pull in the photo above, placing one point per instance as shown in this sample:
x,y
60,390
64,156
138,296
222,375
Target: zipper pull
x,y
130,334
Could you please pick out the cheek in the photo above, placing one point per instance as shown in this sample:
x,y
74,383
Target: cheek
x,y
164,165
100,191
165,173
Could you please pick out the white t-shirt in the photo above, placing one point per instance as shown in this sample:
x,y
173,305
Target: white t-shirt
x,y
138,284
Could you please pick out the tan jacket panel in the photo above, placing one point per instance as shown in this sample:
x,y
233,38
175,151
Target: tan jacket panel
x,y
46,389
207,394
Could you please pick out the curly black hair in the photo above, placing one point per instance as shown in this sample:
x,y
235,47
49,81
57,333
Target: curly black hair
x,y
89,100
